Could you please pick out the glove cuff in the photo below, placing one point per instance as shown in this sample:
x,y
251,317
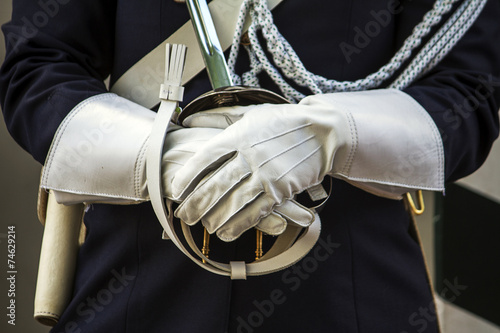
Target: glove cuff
x,y
97,152
394,145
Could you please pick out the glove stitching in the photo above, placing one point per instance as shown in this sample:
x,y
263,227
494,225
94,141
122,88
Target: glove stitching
x,y
419,110
286,150
281,134
354,143
138,166
435,133
299,162
97,194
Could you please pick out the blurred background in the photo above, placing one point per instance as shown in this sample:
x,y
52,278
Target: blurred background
x,y
19,176
460,233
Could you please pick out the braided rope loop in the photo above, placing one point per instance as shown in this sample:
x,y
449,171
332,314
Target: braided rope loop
x,y
291,67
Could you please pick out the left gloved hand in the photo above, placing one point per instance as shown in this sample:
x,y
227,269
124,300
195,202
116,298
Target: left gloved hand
x,y
272,152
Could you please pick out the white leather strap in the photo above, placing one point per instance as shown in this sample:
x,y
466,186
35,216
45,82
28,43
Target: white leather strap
x,y
283,242
140,82
238,270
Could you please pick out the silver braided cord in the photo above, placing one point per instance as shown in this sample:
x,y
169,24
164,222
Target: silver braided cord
x,y
293,69
440,44
283,54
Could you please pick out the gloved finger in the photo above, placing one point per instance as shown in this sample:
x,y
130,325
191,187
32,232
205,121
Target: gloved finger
x,y
215,189
198,170
217,118
179,147
226,214
274,224
292,212
256,212
295,213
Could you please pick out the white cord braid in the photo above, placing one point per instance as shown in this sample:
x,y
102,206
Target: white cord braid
x,y
441,43
293,69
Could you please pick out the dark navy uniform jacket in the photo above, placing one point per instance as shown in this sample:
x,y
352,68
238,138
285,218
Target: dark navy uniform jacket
x,y
366,274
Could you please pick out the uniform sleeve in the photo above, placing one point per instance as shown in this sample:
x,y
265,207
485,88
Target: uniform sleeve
x,y
58,53
462,94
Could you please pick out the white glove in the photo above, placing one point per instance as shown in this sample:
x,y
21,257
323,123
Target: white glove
x,y
98,155
272,152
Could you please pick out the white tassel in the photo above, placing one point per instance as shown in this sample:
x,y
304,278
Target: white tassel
x,y
175,59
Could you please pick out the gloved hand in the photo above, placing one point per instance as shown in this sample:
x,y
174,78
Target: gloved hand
x,y
182,143
98,155
272,152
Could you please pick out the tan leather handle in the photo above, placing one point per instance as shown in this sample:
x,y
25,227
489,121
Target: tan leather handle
x,y
57,260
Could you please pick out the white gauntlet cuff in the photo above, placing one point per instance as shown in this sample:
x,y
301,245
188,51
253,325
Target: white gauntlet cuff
x,y
395,145
97,152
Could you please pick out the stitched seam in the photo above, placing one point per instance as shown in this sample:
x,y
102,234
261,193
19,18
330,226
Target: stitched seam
x,y
139,162
296,164
437,137
281,134
286,150
48,312
108,195
354,143
439,155
378,181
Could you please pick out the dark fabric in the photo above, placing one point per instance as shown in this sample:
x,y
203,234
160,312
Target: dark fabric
x,y
365,275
